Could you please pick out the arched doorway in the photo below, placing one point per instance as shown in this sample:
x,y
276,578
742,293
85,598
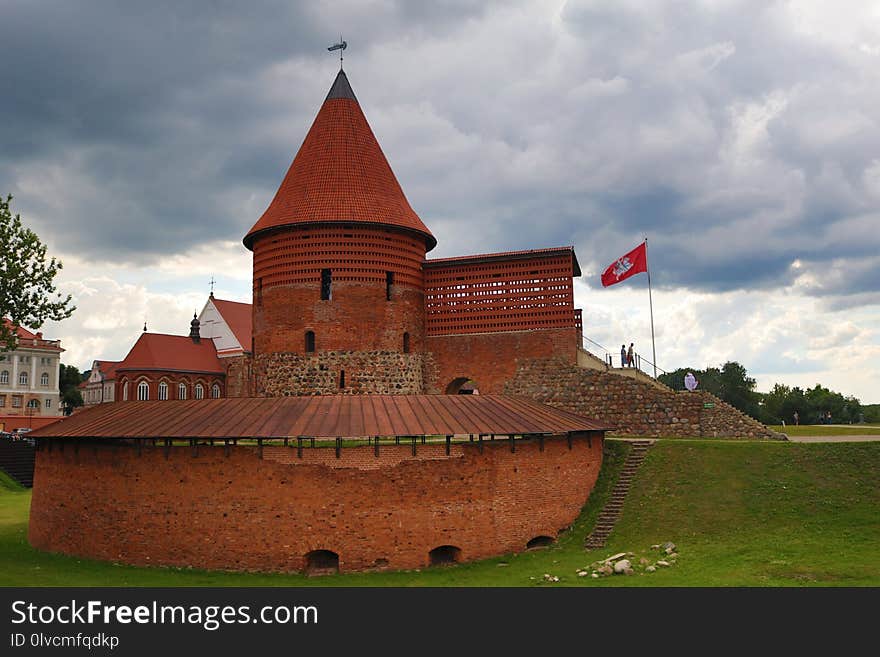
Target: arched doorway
x,y
321,562
539,542
444,555
462,386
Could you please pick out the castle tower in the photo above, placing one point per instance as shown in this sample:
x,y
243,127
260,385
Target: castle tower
x,y
338,297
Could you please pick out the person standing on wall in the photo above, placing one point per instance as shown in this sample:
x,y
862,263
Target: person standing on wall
x,y
623,355
630,357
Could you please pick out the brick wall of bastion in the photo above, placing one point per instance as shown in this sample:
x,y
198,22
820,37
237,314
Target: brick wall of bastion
x,y
491,359
366,372
240,512
629,406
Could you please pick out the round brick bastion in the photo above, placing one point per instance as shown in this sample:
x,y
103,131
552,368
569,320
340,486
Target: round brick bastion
x,y
294,507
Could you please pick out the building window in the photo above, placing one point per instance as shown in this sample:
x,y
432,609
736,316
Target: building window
x,y
125,391
2,401
406,343
326,285
33,403
200,391
143,391
16,401
48,403
23,379
4,376
44,380
163,391
215,391
310,342
181,391
389,281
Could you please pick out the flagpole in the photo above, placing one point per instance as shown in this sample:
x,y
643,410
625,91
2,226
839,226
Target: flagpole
x,y
651,306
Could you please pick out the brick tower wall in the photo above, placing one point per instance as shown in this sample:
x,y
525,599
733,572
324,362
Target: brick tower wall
x,y
374,340
245,513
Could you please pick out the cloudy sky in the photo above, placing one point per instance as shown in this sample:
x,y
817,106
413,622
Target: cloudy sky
x,y
142,140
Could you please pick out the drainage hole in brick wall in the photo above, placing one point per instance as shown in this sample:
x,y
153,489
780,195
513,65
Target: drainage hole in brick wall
x,y
321,562
539,542
444,555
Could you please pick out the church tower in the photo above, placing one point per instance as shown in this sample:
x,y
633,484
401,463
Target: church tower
x,y
339,295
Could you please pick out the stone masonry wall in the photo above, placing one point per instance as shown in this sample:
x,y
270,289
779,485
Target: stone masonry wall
x,y
630,407
240,512
366,372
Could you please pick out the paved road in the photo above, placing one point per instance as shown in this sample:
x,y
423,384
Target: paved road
x,y
852,438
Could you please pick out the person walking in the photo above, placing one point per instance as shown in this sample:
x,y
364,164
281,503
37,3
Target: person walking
x,y
623,355
796,418
630,357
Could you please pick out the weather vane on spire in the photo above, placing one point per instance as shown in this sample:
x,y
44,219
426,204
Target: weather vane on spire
x,y
342,45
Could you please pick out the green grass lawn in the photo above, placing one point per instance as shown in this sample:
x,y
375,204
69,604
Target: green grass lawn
x,y
742,513
828,430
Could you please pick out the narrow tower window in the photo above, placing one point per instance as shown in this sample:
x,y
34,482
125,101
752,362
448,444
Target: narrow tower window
x,y
326,284
341,379
259,291
406,343
389,281
310,342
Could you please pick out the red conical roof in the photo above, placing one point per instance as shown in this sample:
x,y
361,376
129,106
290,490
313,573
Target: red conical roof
x,y
340,175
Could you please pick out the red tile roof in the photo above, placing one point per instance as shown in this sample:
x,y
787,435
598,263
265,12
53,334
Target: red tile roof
x,y
325,416
339,175
239,317
34,339
23,333
506,255
177,353
108,368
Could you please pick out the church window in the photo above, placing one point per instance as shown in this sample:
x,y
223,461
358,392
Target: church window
x,y
143,391
163,391
200,391
181,391
215,391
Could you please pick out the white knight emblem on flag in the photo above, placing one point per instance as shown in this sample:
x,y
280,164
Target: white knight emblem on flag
x,y
621,267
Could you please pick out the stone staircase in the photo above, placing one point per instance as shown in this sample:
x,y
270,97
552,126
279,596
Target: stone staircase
x,y
611,512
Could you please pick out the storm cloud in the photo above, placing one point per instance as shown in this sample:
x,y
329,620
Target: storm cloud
x,y
740,137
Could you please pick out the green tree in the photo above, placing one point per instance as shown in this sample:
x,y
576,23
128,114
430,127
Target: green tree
x,y
68,384
26,280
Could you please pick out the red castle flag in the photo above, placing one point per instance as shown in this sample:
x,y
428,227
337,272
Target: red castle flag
x,y
628,265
